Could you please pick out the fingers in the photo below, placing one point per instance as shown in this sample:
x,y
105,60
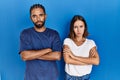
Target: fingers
x,y
92,52
66,50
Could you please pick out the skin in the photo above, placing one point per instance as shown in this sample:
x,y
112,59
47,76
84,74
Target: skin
x,y
38,17
70,58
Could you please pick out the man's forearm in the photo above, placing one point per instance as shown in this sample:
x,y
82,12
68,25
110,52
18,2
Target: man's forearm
x,y
51,56
34,54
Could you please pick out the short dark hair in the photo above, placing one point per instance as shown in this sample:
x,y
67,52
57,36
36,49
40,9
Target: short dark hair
x,y
37,6
74,19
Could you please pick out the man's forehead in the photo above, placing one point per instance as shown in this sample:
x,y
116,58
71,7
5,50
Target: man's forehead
x,y
37,10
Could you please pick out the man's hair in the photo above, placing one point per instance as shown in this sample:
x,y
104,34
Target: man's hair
x,y
37,6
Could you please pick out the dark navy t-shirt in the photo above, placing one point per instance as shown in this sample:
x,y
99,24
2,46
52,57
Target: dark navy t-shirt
x,y
32,40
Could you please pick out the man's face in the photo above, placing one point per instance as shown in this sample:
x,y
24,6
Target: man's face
x,y
38,17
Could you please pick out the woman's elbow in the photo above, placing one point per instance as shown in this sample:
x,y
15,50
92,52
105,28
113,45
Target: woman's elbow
x,y
67,60
97,62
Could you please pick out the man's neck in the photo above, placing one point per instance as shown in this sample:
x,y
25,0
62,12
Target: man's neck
x,y
42,29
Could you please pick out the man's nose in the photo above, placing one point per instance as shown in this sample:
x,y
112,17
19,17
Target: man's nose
x,y
38,18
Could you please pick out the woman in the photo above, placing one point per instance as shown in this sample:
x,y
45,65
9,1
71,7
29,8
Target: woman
x,y
79,52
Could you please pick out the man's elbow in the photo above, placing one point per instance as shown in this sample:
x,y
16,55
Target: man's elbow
x,y
24,56
58,57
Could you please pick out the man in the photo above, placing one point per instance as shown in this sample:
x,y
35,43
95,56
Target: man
x,y
40,47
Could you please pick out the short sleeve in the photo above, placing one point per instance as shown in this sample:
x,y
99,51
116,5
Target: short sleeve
x,y
57,45
67,41
25,41
92,44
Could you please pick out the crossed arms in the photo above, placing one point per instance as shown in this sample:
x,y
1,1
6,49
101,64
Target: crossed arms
x,y
77,60
44,54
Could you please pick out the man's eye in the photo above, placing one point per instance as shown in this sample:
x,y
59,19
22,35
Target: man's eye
x,y
33,16
41,14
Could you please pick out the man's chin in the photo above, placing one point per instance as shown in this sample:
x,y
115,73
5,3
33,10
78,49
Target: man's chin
x,y
39,26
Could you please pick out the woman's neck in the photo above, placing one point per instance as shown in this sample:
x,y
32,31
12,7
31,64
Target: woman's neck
x,y
79,39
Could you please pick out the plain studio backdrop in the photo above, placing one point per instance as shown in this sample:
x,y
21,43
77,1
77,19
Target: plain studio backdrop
x,y
103,19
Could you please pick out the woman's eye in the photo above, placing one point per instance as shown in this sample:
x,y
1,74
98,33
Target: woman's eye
x,y
75,26
81,26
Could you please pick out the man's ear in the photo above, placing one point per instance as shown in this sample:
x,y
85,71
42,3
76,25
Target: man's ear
x,y
30,17
45,16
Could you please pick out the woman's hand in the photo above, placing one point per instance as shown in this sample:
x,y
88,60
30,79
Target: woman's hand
x,y
67,50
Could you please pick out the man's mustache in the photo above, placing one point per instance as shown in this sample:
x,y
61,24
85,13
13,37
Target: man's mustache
x,y
39,21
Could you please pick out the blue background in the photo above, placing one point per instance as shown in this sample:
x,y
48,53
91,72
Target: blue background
x,y
103,19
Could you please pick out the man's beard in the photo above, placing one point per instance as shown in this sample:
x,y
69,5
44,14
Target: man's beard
x,y
39,25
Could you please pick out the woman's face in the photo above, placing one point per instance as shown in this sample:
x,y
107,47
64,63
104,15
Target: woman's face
x,y
79,28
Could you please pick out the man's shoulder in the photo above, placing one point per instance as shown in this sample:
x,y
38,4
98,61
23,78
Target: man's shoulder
x,y
27,29
52,30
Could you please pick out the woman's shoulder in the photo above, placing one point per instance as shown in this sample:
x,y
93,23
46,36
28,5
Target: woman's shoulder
x,y
90,41
67,39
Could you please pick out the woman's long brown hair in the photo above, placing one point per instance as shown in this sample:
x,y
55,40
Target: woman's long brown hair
x,y
74,19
